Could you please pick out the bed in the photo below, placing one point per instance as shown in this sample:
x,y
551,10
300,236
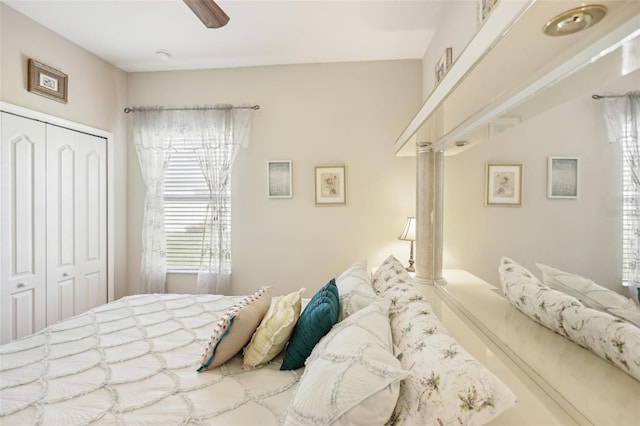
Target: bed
x,y
152,359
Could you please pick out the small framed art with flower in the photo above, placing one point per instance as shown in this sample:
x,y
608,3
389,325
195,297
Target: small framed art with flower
x,y
330,185
503,184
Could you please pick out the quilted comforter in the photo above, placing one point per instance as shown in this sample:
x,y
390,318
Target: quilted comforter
x,y
134,361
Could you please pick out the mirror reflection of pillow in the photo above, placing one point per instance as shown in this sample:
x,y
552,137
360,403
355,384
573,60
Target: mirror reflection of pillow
x,y
591,294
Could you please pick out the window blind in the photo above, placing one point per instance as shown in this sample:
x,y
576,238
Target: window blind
x,y
186,197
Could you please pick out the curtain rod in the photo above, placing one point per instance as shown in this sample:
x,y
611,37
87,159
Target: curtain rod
x,y
127,110
598,97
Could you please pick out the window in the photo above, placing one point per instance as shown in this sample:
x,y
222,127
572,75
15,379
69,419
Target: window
x,y
186,197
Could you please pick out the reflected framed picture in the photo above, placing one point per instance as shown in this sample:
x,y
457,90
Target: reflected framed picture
x,y
503,184
330,185
484,9
46,81
562,177
443,65
279,182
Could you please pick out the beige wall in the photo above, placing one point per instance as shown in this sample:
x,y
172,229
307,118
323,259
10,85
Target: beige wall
x,y
582,236
348,113
96,97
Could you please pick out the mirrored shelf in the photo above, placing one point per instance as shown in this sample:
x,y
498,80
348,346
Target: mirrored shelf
x,y
523,73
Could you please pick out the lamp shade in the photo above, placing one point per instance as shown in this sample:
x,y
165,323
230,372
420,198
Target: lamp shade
x,y
409,231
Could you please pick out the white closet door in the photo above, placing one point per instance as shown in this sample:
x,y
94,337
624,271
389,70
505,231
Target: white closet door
x,y
76,222
22,227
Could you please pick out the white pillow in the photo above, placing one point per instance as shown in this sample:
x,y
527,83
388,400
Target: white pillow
x,y
591,294
352,376
354,288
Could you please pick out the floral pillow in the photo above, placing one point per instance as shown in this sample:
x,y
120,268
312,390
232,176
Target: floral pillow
x,y
447,386
354,288
352,376
534,299
608,337
393,282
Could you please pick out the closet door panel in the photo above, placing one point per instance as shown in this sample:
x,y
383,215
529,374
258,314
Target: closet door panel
x,y
65,294
76,162
23,314
92,237
65,204
22,227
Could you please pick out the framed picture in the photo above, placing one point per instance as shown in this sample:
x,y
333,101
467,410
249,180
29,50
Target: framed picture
x,y
443,65
46,81
330,185
484,9
562,177
279,179
503,184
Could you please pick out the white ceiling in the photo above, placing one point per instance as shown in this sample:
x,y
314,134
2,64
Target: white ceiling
x,y
127,33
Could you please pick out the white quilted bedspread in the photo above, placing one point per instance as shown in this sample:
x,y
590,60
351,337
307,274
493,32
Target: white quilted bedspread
x,y
134,362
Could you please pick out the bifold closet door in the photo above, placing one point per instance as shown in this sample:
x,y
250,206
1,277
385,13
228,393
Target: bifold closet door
x,y
22,227
76,222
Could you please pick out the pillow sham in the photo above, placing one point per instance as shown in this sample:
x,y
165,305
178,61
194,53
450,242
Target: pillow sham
x,y
355,290
393,282
235,328
591,294
447,385
533,298
274,331
317,318
351,376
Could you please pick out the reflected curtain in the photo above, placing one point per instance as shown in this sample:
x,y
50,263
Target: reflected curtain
x,y
622,116
152,140
225,130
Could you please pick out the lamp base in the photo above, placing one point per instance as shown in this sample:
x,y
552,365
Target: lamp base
x,y
410,268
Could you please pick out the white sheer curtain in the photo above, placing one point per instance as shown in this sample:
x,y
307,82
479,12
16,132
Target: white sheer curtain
x,y
225,130
152,140
218,133
622,116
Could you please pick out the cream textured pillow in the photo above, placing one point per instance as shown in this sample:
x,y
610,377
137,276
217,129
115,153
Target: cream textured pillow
x,y
591,294
354,288
234,330
351,376
274,331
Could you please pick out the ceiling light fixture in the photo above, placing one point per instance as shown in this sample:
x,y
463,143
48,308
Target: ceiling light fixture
x,y
163,55
575,20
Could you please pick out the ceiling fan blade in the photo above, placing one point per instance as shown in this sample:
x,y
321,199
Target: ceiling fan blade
x,y
209,13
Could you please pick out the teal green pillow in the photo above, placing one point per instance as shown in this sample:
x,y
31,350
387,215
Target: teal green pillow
x,y
315,321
